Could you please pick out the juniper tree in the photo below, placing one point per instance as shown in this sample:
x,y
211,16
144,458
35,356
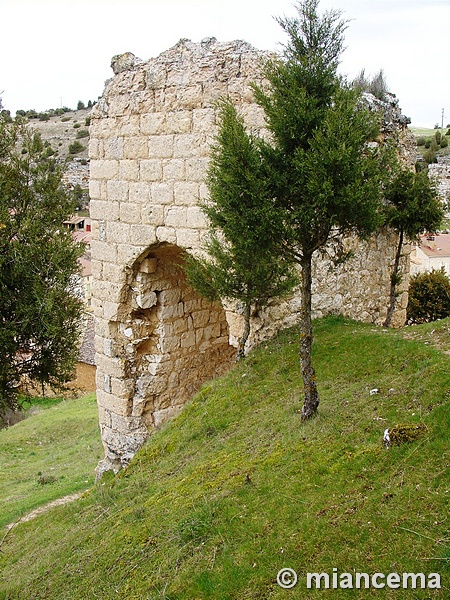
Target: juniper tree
x,y
242,263
323,172
39,314
413,206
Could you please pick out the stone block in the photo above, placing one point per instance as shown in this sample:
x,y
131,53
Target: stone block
x,y
186,193
143,235
196,168
152,214
139,192
178,122
129,126
130,212
128,253
101,210
187,238
153,123
151,169
161,193
117,232
160,146
129,170
113,148
166,234
117,190
175,216
173,169
195,218
135,147
186,145
104,169
103,251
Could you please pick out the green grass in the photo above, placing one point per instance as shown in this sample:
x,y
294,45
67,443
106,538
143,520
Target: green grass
x,y
48,455
425,132
237,487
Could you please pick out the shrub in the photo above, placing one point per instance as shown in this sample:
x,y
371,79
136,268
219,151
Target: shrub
x,y
444,142
80,105
375,85
64,119
437,137
44,116
427,143
87,121
82,133
429,297
75,147
421,141
76,125
430,156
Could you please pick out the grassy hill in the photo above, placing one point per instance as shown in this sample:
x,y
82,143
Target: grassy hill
x,y
237,487
49,455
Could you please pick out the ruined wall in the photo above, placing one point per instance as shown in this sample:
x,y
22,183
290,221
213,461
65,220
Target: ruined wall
x,y
156,339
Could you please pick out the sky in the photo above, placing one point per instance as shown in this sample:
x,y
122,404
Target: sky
x,y
57,52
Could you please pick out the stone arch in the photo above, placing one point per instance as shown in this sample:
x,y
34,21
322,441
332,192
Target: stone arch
x,y
170,341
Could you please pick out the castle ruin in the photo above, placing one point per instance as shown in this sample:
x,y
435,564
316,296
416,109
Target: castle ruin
x,y
157,340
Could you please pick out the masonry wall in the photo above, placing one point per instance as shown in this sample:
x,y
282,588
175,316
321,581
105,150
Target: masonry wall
x,y
156,339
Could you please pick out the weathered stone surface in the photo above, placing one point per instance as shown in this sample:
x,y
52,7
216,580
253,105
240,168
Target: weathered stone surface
x,y
157,340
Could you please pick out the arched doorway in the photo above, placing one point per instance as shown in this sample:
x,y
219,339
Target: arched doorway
x,y
173,339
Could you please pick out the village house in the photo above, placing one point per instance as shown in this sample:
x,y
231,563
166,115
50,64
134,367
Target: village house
x,y
431,253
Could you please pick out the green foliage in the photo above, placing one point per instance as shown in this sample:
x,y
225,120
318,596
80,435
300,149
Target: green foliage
x,y
243,261
80,105
39,313
444,142
82,133
76,147
421,141
430,156
87,121
325,177
413,204
429,297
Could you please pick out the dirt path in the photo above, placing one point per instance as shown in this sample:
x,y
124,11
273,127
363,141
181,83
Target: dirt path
x,y
42,509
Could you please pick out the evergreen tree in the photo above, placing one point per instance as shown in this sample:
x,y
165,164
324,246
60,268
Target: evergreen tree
x,y
242,261
323,171
413,206
39,314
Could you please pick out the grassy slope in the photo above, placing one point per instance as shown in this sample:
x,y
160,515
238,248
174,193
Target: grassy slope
x,y
237,487
60,445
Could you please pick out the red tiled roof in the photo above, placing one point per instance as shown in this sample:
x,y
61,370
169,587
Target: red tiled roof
x,y
439,246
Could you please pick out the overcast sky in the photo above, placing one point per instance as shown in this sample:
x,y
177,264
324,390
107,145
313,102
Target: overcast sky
x,y
56,52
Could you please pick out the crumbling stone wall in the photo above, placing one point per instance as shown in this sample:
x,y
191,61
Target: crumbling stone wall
x,y
156,339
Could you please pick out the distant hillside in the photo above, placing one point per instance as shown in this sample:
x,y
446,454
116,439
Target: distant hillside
x,y
62,131
237,488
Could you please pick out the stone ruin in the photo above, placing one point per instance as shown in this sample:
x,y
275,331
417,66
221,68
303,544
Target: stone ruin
x,y
157,340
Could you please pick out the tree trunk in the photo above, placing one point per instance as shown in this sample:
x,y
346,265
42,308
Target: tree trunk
x,y
394,281
311,400
245,334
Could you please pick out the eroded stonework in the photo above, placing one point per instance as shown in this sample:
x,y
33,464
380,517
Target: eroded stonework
x,y
156,339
